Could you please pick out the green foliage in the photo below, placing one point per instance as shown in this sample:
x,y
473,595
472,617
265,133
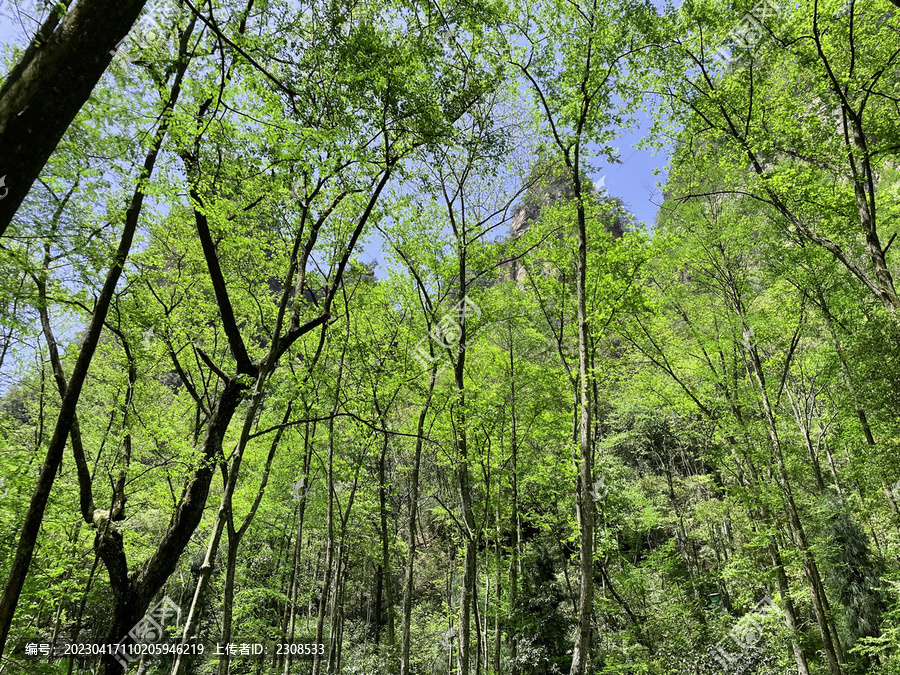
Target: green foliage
x,y
743,358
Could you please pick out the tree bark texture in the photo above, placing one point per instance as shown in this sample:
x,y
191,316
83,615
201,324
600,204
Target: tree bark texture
x,y
50,84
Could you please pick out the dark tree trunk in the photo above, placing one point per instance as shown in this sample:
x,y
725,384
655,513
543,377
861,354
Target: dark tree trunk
x,y
385,606
133,593
50,84
515,523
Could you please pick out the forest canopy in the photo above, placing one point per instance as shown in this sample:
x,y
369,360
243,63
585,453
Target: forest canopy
x,y
539,435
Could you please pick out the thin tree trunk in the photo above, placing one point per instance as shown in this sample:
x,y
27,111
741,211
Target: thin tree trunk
x,y
845,369
860,411
329,559
340,619
337,605
833,470
234,542
329,522
515,523
809,565
76,632
476,616
498,576
803,424
286,547
463,476
288,622
485,614
385,602
465,606
334,620
790,616
228,596
469,560
298,544
411,532
585,501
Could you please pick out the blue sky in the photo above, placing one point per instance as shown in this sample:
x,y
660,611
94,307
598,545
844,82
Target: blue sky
x,y
633,180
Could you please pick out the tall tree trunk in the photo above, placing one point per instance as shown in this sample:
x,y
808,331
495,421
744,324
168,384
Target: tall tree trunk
x,y
49,85
411,526
467,592
235,536
463,474
585,501
515,524
790,615
329,522
334,618
329,557
802,420
845,368
289,622
477,616
228,595
340,619
76,632
337,604
498,577
386,591
463,478
298,543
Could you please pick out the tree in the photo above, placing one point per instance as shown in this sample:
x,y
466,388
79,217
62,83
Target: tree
x,y
575,107
51,83
818,160
71,390
296,446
